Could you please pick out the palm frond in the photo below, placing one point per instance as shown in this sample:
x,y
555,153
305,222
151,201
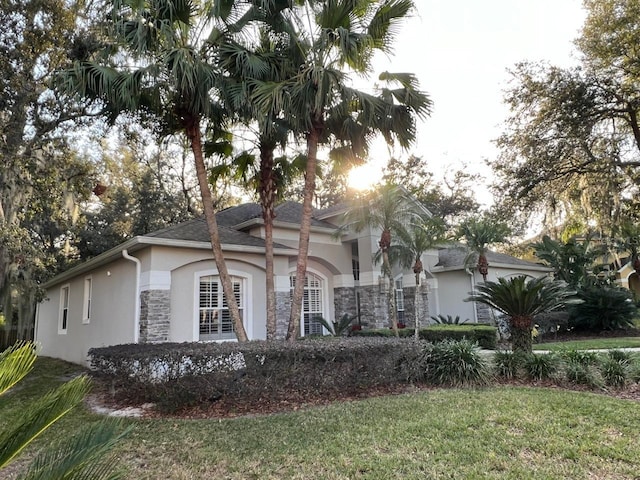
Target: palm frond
x,y
39,416
82,456
16,362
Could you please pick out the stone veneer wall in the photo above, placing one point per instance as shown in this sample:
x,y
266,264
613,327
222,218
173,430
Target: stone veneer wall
x,y
373,306
410,305
344,301
484,313
155,315
283,311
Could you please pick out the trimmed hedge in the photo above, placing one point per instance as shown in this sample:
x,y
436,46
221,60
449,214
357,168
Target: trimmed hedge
x,y
176,375
485,335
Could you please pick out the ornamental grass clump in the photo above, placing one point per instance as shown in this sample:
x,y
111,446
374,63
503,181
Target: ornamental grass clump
x,y
616,368
455,363
583,368
507,364
541,366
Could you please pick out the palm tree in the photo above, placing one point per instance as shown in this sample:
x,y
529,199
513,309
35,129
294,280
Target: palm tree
x,y
246,61
81,456
158,65
521,298
412,242
478,235
332,35
571,261
389,209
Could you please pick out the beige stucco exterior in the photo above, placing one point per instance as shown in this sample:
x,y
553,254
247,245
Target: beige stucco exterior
x,y
157,279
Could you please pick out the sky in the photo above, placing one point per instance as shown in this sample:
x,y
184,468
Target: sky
x,y
461,51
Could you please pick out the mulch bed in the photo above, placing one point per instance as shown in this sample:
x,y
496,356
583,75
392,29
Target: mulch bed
x,y
236,407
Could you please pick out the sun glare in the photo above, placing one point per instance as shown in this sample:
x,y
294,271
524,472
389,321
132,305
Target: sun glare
x,y
363,177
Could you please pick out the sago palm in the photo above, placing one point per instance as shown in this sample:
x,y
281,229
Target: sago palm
x,y
157,62
333,37
521,298
83,455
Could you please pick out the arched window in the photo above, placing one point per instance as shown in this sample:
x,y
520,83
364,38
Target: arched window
x,y
312,304
215,321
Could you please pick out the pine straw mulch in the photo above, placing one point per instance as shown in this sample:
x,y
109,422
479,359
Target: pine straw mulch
x,y
103,401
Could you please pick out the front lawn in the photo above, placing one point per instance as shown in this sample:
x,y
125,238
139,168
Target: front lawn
x,y
501,432
591,344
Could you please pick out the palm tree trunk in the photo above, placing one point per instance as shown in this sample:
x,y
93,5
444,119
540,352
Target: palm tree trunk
x,y
521,334
305,228
393,311
416,308
192,128
267,200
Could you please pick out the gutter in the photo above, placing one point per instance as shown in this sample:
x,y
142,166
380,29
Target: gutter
x,y
136,315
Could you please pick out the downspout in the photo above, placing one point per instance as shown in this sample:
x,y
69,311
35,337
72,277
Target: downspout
x,y
136,316
473,288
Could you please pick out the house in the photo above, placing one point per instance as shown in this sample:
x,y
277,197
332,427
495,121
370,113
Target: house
x,y
164,286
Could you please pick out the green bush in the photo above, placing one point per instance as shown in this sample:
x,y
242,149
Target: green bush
x,y
616,368
580,357
176,375
541,366
485,335
507,364
383,332
603,308
456,363
584,374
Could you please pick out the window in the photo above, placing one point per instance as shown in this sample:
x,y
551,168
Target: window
x,y
213,312
63,318
355,261
312,304
399,292
86,305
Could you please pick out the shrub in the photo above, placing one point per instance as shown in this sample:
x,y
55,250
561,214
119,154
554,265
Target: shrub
x,y
616,368
541,366
484,335
507,364
456,363
181,374
603,308
580,357
449,320
584,375
383,332
551,323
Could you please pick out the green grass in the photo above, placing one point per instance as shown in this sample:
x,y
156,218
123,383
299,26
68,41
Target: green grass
x,y
502,433
591,344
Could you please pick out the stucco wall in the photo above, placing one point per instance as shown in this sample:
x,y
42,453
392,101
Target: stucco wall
x,y
112,313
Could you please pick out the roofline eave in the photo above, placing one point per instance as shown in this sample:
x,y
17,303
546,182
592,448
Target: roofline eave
x,y
140,242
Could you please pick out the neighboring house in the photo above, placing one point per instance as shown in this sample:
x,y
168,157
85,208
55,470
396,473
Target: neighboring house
x,y
164,286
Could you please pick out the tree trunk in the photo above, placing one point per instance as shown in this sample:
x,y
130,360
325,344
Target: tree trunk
x,y
393,311
192,128
483,266
417,269
305,228
267,200
521,334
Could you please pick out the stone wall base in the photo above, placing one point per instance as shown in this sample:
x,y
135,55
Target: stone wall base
x,y
155,316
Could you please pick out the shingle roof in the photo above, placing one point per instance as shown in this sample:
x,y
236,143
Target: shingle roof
x,y
291,212
196,230
233,216
455,256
